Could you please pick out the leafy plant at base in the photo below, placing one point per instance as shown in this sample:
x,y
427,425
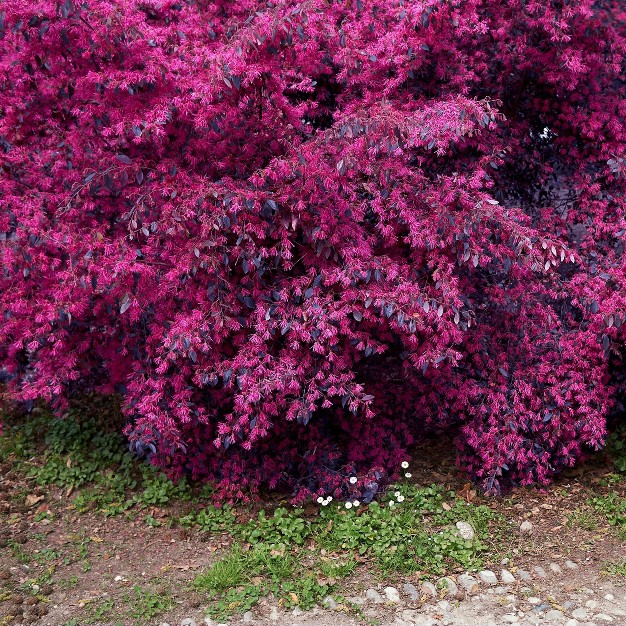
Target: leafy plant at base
x,y
147,604
613,506
283,529
296,236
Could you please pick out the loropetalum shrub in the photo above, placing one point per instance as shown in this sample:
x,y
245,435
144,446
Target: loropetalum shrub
x,y
298,235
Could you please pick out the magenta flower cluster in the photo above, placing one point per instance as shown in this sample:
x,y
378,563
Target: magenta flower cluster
x,y
299,235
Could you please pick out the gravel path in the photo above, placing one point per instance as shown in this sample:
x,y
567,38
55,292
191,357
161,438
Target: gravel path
x,y
560,594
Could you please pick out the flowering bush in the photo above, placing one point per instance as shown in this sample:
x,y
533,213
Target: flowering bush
x,y
297,235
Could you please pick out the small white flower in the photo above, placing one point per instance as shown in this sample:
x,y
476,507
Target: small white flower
x,y
352,480
356,503
324,502
330,498
408,475
400,498
404,464
320,500
348,505
391,502
397,494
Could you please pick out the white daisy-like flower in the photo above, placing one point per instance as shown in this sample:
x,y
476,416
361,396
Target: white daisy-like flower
x,y
320,500
400,498
404,464
397,494
324,502
391,502
356,503
330,498
352,480
408,475
348,505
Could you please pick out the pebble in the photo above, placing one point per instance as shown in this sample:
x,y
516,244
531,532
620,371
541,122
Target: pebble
x,y
540,571
591,604
355,600
444,605
556,568
526,527
571,565
510,618
411,591
580,614
617,612
374,596
507,577
487,576
523,574
428,589
554,614
188,621
274,614
247,617
500,591
469,583
610,597
450,587
571,622
603,617
392,595
465,530
534,600
329,602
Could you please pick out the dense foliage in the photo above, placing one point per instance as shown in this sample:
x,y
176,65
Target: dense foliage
x,y
298,235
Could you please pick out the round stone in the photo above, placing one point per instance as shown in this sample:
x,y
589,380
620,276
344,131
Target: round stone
x,y
392,595
465,530
554,614
580,614
428,589
373,596
329,603
450,588
526,527
469,583
411,591
487,576
506,577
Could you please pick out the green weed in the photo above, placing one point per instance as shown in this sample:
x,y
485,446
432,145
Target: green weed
x,y
612,506
615,568
582,519
146,604
283,528
210,519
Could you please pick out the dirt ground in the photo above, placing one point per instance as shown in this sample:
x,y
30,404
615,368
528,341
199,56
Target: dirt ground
x,y
58,567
